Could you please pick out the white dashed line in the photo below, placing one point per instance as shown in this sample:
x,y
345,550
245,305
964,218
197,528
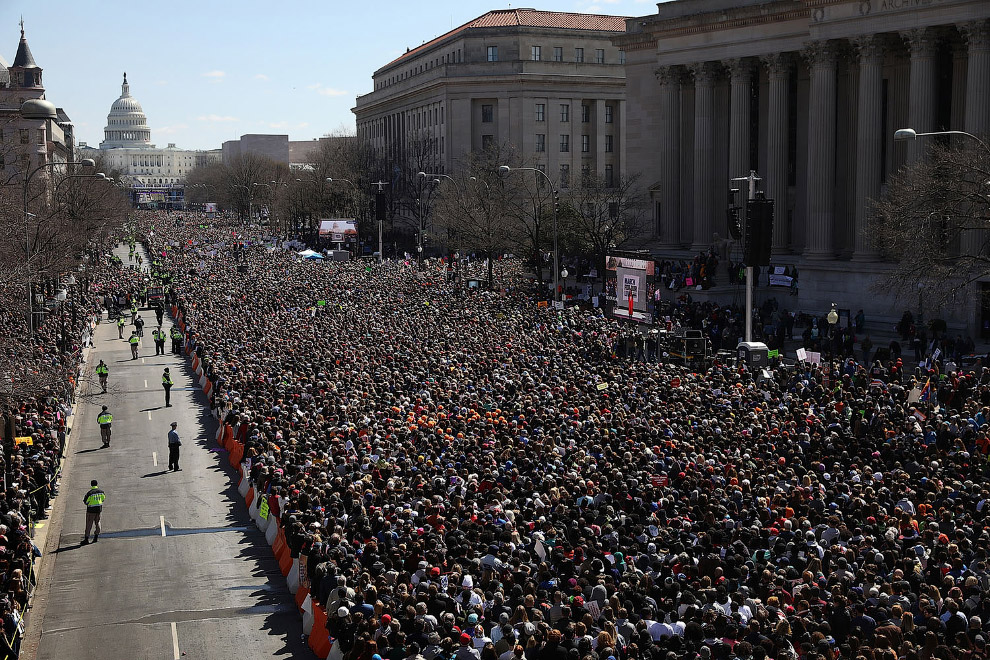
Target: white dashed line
x,y
154,457
161,519
149,414
142,360
175,643
146,383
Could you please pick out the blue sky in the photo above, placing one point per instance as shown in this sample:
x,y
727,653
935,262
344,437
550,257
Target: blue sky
x,y
212,70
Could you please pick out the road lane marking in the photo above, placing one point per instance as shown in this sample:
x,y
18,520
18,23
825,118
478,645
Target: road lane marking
x,y
162,520
142,360
154,457
149,414
145,383
175,643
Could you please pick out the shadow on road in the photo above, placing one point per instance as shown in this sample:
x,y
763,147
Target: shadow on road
x,y
87,451
154,474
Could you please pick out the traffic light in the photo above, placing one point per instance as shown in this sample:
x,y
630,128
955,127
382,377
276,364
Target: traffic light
x,y
759,232
381,208
735,225
556,202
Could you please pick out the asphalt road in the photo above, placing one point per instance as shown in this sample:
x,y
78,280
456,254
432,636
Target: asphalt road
x,y
179,570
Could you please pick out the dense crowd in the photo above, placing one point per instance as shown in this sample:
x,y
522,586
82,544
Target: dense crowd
x,y
464,474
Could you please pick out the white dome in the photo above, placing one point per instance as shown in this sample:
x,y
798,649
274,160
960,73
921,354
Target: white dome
x,y
127,125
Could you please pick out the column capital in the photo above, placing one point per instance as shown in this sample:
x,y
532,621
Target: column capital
x,y
778,65
740,68
704,73
977,34
869,48
922,42
670,75
819,54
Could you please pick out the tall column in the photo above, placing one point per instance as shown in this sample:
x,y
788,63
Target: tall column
x,y
705,74
740,89
977,76
669,230
821,150
921,111
775,173
977,120
869,140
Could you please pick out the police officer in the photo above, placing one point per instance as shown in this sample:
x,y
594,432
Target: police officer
x,y
159,336
105,419
103,371
93,499
134,341
176,340
173,448
160,315
139,324
167,386
120,326
134,311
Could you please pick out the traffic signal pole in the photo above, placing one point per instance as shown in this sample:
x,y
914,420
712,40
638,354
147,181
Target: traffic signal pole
x,y
751,180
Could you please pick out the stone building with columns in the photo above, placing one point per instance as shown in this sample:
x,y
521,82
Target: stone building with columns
x,y
808,93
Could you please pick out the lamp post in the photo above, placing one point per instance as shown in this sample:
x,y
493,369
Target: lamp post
x,y
563,277
504,170
909,134
436,181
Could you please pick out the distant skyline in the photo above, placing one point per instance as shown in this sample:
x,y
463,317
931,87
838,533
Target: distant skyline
x,y
206,72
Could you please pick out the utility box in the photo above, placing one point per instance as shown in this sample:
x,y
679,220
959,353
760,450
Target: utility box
x,y
753,354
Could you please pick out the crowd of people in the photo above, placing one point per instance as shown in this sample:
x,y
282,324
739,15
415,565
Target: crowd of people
x,y
466,474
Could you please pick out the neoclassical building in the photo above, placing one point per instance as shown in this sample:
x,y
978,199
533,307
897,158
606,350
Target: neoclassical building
x,y
548,83
151,172
808,93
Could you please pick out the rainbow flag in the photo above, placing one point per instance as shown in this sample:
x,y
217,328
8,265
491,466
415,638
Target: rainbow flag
x,y
926,391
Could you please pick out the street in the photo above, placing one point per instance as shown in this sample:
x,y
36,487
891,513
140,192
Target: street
x,y
179,569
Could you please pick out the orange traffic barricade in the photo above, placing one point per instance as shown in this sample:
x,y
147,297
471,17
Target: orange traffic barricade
x,y
319,639
301,594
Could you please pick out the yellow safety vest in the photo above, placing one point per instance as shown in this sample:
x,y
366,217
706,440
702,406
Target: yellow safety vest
x,y
104,418
166,379
134,339
102,369
95,498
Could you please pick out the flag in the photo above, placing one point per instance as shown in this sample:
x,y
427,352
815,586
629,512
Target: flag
x,y
926,391
630,303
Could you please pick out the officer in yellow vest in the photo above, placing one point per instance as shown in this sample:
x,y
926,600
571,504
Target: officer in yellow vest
x,y
176,340
93,499
134,341
103,371
120,326
159,336
167,386
105,420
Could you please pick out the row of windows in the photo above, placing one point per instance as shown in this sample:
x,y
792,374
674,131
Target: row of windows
x,y
536,54
565,143
452,57
540,112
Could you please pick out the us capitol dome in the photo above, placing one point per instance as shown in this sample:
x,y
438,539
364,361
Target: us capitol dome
x,y
127,125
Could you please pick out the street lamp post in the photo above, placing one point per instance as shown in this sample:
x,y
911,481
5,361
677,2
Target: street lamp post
x,y
436,180
909,134
504,170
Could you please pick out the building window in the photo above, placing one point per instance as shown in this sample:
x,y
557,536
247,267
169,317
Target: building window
x,y
585,174
541,142
565,176
609,177
493,53
565,112
585,144
585,113
41,136
541,111
535,53
608,114
565,143
487,142
622,57
25,136
558,54
608,144
487,114
599,56
579,54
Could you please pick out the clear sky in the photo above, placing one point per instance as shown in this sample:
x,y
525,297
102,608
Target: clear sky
x,y
211,70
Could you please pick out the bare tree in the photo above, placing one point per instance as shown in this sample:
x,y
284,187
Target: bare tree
x,y
599,216
932,222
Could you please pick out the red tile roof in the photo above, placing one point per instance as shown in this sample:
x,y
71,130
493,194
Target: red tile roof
x,y
529,18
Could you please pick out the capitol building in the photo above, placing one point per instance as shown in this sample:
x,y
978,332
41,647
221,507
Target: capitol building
x,y
154,174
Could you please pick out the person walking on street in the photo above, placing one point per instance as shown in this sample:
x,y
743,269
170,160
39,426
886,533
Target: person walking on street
x,y
173,448
134,313
134,341
120,326
105,419
139,324
159,336
167,386
176,340
103,371
93,499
